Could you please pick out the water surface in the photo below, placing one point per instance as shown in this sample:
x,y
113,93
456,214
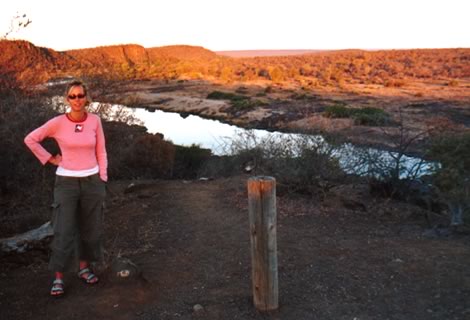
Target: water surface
x,y
219,137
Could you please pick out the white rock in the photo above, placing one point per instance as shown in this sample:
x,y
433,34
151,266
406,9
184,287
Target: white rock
x,y
198,308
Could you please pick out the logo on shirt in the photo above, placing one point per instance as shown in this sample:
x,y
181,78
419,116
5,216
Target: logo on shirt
x,y
78,127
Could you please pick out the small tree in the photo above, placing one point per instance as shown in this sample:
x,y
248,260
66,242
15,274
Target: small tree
x,y
401,143
300,163
18,22
391,173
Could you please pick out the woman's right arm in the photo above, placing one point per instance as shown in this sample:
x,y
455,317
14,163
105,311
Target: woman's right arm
x,y
33,141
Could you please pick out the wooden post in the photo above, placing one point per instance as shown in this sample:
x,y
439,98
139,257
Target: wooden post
x,y
263,230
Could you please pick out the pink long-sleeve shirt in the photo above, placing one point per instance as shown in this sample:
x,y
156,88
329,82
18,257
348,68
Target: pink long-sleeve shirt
x,y
82,143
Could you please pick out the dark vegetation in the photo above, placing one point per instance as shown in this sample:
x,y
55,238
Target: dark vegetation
x,y
452,150
367,116
219,95
21,183
238,102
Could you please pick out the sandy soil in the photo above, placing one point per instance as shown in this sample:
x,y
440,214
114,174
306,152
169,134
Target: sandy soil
x,y
348,256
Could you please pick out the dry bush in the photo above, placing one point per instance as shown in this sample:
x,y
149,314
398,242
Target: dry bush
x,y
118,137
25,185
442,125
189,161
300,163
150,156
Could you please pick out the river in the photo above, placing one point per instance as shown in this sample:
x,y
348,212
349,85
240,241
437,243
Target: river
x,y
219,136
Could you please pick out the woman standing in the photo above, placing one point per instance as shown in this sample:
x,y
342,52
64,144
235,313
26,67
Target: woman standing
x,y
79,189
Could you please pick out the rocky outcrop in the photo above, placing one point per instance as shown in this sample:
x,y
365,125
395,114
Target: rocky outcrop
x,y
25,63
181,52
111,55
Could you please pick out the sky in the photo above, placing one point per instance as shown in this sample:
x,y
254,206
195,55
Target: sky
x,y
220,25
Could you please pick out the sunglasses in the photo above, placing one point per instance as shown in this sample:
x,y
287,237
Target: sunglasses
x,y
73,96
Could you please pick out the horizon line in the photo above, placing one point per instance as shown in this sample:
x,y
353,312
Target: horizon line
x,y
235,50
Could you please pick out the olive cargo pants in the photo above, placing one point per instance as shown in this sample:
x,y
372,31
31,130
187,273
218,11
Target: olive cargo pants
x,y
77,222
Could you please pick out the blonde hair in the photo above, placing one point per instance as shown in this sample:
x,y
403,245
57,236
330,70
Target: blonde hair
x,y
77,83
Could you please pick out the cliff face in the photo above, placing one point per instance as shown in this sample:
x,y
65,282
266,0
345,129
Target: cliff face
x,y
111,55
181,52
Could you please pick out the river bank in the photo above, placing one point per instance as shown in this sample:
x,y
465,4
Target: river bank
x,y
413,109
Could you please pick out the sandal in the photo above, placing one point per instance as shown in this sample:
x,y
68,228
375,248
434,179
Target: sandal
x,y
57,289
88,276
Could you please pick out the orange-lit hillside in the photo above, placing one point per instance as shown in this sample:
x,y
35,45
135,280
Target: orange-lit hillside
x,y
26,63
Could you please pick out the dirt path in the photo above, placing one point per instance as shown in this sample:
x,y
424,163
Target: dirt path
x,y
191,242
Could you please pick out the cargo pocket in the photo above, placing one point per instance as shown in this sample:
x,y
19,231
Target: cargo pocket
x,y
100,185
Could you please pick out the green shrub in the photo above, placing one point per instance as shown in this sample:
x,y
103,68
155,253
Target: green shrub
x,y
245,105
370,117
337,111
367,116
219,95
238,102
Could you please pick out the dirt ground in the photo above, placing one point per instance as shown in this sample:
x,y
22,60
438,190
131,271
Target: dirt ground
x,y
348,256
